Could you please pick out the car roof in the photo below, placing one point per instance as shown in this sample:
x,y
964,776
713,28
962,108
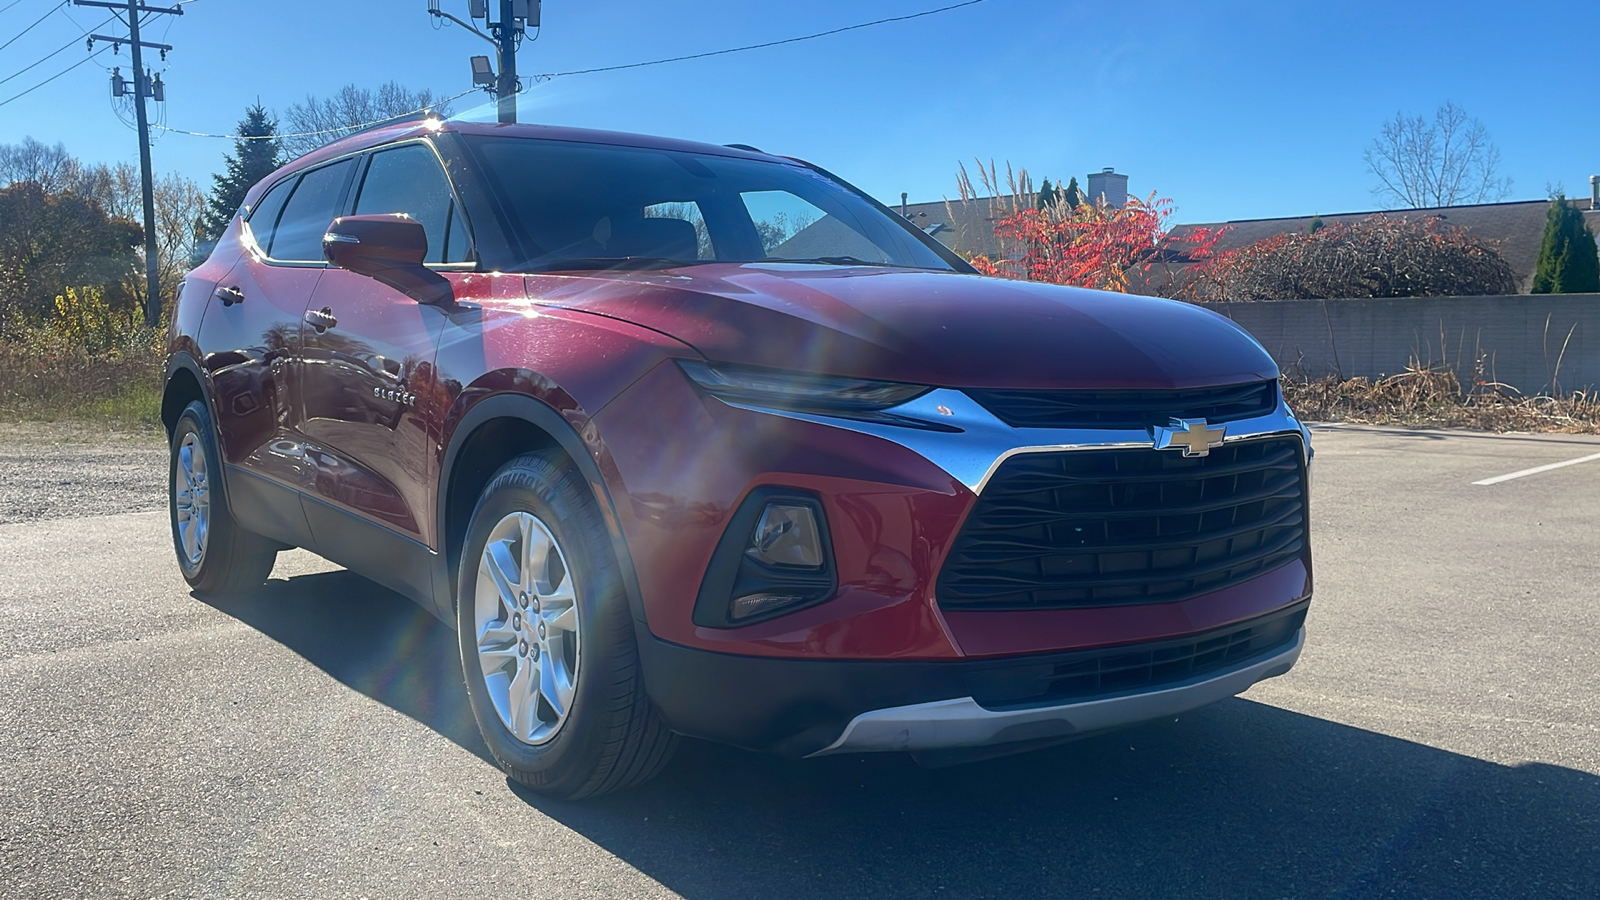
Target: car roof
x,y
389,134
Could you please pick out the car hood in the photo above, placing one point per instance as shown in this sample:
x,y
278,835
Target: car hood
x,y
934,328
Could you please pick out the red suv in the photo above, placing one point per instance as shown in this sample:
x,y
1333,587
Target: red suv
x,y
693,439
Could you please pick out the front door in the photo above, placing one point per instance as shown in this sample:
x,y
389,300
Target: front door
x,y
369,373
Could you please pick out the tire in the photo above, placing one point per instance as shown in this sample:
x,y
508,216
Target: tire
x,y
558,610
215,555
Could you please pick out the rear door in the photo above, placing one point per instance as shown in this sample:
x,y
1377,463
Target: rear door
x,y
369,375
252,346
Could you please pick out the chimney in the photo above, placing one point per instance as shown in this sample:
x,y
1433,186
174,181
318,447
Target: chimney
x,y
1108,184
1594,191
903,196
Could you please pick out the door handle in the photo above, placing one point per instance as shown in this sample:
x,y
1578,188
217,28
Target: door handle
x,y
321,319
230,295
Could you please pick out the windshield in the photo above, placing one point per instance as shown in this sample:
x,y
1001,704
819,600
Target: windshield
x,y
596,206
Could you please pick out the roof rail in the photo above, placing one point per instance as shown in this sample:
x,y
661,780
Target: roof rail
x,y
744,147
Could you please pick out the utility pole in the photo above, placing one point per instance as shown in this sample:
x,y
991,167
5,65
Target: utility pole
x,y
142,88
516,16
506,32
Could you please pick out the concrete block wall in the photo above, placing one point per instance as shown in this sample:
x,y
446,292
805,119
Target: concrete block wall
x,y
1520,336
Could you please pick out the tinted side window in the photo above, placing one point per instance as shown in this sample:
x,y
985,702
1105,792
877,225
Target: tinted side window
x,y
264,218
408,180
311,207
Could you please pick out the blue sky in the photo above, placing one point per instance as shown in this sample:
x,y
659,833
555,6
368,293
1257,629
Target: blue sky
x,y
1232,109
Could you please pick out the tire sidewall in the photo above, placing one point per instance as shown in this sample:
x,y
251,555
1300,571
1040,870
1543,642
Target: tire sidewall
x,y
536,485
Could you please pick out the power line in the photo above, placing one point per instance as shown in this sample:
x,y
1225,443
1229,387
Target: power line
x,y
54,77
24,31
550,75
56,52
343,129
9,5
793,40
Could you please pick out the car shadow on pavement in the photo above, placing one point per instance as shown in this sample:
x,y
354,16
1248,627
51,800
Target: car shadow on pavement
x,y
1239,799
369,639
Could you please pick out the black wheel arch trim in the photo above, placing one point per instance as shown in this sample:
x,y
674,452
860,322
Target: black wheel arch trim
x,y
545,418
184,360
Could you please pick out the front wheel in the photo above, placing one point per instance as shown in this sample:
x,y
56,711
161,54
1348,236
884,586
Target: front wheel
x,y
547,643
215,554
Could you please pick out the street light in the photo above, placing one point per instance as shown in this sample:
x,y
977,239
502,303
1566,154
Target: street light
x,y
482,72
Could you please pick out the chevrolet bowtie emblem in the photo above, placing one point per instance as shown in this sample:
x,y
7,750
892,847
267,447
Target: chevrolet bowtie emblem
x,y
1193,435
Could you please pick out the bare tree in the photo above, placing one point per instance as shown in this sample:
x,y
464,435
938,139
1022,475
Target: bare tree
x,y
1445,162
350,109
179,203
53,169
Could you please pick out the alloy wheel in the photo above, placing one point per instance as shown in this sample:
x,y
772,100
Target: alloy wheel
x,y
191,502
526,625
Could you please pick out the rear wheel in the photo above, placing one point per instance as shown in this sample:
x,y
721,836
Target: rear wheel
x,y
215,555
547,644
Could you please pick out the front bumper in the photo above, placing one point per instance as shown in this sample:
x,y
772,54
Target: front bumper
x,y
962,723
809,707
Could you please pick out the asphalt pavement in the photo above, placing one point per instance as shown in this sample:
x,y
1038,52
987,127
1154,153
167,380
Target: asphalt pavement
x,y
1439,738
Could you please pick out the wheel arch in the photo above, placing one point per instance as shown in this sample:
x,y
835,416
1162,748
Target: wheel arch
x,y
184,384
493,431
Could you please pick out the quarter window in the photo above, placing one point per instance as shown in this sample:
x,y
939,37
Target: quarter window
x,y
264,218
311,208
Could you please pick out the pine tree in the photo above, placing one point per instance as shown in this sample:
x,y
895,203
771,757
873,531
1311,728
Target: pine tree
x,y
1568,263
256,154
1047,195
1073,196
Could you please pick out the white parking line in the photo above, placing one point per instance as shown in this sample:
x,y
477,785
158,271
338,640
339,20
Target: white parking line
x,y
1537,469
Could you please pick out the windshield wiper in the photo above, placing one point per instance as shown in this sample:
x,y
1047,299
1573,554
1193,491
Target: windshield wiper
x,y
835,261
615,263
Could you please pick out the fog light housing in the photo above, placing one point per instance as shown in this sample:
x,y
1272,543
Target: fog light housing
x,y
787,536
774,557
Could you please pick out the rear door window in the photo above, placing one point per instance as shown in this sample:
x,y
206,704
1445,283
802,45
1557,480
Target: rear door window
x,y
409,180
316,201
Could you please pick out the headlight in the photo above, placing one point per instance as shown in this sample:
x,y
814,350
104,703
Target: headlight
x,y
827,394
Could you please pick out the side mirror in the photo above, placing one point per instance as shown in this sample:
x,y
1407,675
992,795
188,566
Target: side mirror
x,y
390,249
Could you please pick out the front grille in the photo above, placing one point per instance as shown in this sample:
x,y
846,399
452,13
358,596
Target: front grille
x,y
1114,527
1127,409
1090,673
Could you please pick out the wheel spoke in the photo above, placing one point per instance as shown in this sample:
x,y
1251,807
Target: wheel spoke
x,y
535,551
559,618
554,686
190,530
497,642
520,697
497,559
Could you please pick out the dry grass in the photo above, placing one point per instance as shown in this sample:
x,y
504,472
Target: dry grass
x,y
89,362
53,381
1424,396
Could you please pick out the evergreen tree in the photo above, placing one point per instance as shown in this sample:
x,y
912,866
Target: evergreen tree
x,y
1568,263
256,154
1073,196
1047,195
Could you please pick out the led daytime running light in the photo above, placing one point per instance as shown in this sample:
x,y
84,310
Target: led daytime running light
x,y
796,390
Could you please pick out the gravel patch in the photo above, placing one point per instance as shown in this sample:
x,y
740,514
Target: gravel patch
x,y
59,470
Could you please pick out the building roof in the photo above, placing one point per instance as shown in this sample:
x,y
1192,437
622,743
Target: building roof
x,y
966,227
1515,228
